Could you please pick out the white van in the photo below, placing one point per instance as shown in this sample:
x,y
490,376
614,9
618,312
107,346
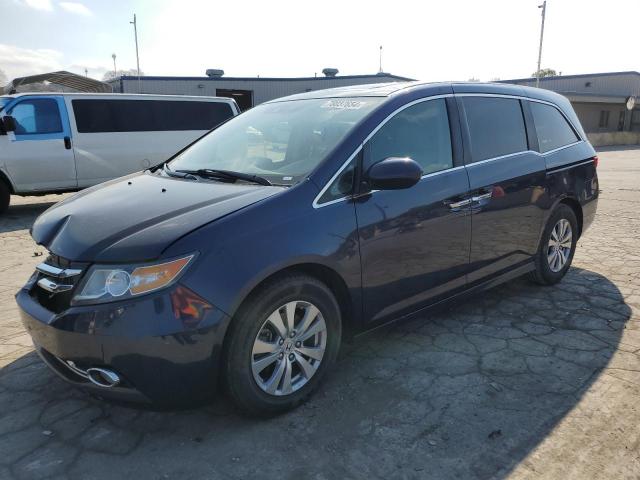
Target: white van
x,y
51,143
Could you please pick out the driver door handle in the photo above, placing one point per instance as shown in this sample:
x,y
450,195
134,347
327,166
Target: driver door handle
x,y
67,143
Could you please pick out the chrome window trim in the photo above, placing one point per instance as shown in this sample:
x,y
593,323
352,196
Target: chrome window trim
x,y
501,157
359,148
435,97
523,152
560,148
330,182
440,172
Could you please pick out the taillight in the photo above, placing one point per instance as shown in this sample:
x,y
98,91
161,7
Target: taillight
x,y
595,161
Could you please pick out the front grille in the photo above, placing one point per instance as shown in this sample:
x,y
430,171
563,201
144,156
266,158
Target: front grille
x,y
55,282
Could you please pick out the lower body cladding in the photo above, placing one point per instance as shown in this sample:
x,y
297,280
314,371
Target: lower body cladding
x,y
162,348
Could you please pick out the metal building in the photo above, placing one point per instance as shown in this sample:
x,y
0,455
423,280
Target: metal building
x,y
247,91
600,100
61,81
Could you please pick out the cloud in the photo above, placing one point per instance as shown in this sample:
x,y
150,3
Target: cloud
x,y
75,7
39,4
18,61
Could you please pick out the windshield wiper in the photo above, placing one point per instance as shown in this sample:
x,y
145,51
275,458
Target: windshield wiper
x,y
167,170
226,175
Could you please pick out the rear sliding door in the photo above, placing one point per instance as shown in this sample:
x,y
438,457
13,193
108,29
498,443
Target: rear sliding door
x,y
507,183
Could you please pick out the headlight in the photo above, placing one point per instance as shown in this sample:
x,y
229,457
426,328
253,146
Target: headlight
x,y
106,283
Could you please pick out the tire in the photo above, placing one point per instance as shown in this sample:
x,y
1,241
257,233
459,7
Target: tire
x,y
259,359
550,267
5,197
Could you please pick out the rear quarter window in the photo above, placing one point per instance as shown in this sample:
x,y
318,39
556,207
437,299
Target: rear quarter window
x,y
496,126
552,127
103,116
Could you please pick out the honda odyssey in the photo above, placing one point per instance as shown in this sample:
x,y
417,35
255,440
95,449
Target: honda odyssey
x,y
245,260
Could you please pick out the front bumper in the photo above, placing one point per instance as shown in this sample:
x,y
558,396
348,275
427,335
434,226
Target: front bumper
x,y
160,357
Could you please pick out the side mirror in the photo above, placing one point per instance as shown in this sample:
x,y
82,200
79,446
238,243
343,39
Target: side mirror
x,y
394,173
8,124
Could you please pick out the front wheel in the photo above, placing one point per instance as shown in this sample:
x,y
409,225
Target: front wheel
x,y
283,342
557,246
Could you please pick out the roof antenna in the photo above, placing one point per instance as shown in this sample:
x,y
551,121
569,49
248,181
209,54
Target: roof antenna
x,y
380,71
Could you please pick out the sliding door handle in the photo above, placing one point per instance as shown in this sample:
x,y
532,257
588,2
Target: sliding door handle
x,y
462,203
67,143
484,196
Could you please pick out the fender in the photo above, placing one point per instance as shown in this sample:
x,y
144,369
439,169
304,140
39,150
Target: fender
x,y
303,263
238,258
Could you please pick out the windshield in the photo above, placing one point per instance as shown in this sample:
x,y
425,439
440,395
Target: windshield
x,y
282,142
4,101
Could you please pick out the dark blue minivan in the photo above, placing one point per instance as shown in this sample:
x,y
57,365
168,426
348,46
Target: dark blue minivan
x,y
249,256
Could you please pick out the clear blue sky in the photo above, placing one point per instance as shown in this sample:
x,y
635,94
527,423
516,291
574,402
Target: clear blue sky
x,y
443,40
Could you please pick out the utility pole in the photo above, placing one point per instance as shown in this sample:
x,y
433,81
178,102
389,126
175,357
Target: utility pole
x,y
544,11
380,71
115,70
135,32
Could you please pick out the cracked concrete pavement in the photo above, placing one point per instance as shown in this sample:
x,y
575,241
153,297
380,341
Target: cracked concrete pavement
x,y
522,382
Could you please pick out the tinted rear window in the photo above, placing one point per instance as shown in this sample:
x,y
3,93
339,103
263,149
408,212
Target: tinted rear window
x,y
496,126
552,128
93,116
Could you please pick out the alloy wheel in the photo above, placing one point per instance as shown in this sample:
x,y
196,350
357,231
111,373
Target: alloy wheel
x,y
289,348
559,247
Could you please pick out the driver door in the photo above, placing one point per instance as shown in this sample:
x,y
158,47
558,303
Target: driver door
x,y
415,243
38,155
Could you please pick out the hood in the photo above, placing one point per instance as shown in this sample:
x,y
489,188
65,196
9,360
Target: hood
x,y
135,218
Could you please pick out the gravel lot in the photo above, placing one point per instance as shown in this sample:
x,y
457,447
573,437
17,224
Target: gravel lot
x,y
521,382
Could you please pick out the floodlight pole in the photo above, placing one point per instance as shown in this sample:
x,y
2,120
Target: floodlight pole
x,y
544,11
115,70
135,32
380,71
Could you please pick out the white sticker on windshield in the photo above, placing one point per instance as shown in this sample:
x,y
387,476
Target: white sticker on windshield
x,y
339,103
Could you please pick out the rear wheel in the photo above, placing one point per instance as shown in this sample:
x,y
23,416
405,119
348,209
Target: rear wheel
x,y
282,344
5,197
557,246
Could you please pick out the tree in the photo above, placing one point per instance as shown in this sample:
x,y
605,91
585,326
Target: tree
x,y
545,72
121,73
3,78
